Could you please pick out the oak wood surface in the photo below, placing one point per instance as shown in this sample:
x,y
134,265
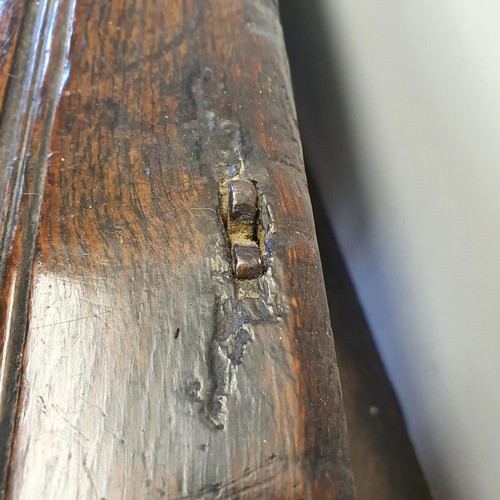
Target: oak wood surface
x,y
148,369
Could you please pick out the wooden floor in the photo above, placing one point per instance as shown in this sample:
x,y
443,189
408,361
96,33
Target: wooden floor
x,y
382,457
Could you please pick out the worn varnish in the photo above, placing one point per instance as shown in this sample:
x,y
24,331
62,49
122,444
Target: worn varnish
x,y
148,368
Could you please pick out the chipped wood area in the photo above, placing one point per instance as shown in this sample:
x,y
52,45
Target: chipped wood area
x,y
149,367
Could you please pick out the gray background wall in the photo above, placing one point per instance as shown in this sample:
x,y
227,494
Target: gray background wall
x,y
399,105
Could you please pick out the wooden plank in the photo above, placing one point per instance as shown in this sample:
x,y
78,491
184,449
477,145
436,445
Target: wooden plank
x,y
149,369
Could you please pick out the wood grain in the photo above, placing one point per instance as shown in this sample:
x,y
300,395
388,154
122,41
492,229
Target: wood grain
x,y
148,370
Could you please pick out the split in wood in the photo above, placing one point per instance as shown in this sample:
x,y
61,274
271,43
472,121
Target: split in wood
x,y
240,212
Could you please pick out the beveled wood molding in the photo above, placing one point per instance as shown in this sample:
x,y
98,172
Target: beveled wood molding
x,y
36,41
164,324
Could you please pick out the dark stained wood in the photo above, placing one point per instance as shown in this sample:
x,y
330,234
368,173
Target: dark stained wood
x,y
10,20
148,369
